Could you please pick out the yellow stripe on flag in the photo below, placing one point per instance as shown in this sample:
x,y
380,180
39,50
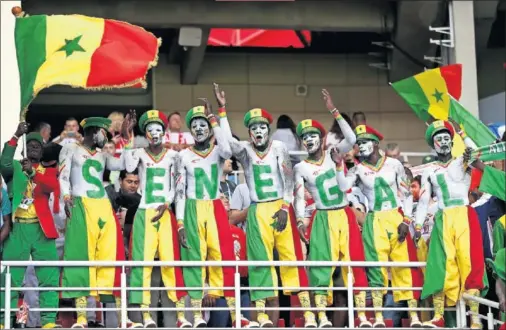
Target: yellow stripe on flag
x,y
70,43
306,123
458,146
434,88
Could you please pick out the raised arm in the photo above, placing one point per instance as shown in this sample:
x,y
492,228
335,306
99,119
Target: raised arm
x,y
299,201
424,201
223,143
180,195
286,173
65,166
349,136
7,158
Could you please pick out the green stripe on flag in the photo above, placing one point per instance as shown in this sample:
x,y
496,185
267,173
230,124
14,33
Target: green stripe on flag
x,y
436,259
409,89
30,40
474,128
320,247
192,275
374,274
137,254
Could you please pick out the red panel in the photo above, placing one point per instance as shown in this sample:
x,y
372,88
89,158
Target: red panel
x,y
257,38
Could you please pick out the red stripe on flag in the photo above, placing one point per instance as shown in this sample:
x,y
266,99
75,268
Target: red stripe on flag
x,y
123,56
178,273
475,278
452,75
120,256
356,247
303,281
226,245
416,273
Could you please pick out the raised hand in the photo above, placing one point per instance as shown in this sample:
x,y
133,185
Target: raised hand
x,y
220,95
160,211
22,129
207,106
328,101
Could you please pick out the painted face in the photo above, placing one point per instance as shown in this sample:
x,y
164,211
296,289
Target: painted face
x,y
365,147
443,143
312,142
154,133
199,128
259,134
100,138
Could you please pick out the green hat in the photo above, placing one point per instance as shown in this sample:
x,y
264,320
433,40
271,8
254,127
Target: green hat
x,y
310,125
152,116
100,122
34,136
195,112
498,265
257,115
436,127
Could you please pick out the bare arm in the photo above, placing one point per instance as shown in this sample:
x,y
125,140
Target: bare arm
x,y
299,201
286,174
424,201
65,166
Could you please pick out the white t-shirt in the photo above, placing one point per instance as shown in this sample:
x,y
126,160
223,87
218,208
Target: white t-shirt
x,y
179,138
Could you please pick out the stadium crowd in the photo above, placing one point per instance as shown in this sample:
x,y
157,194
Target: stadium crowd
x,y
100,192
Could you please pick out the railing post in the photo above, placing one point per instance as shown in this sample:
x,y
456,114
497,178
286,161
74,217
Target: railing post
x,y
351,314
457,314
490,319
463,314
7,311
237,290
123,298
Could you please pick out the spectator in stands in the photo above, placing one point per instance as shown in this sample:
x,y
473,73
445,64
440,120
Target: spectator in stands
x,y
239,206
175,138
5,216
498,268
70,133
227,187
392,150
335,135
285,132
44,129
358,119
115,130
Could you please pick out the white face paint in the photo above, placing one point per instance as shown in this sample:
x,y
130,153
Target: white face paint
x,y
442,143
154,133
100,138
199,128
365,147
312,142
259,134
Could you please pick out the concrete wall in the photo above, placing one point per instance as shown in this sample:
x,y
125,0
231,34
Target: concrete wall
x,y
269,81
491,72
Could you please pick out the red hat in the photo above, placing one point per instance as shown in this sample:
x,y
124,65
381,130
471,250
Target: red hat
x,y
367,133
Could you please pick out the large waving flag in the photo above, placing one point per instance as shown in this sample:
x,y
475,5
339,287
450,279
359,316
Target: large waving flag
x,y
80,51
428,94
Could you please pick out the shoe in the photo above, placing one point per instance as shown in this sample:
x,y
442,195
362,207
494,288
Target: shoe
x,y
199,323
79,325
264,321
379,323
183,323
95,324
51,326
310,320
475,322
149,323
434,323
244,322
364,322
253,325
325,323
415,322
133,325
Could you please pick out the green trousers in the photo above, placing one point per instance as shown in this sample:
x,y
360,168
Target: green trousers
x,y
25,240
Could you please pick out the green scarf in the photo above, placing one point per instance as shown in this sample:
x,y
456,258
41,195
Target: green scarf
x,y
490,153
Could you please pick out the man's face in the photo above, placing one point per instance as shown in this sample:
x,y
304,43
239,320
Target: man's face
x,y
175,123
259,134
130,184
415,190
312,142
199,128
227,166
46,133
109,148
154,133
100,138
442,143
34,150
365,147
71,126
396,153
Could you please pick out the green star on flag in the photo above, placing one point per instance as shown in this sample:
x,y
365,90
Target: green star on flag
x,y
72,46
438,95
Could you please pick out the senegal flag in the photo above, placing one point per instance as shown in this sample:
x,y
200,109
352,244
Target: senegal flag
x,y
80,51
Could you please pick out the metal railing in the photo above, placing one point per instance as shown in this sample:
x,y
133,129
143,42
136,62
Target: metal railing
x,y
124,288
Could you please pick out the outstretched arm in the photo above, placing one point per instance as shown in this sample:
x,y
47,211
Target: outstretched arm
x,y
65,167
423,202
286,174
299,201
